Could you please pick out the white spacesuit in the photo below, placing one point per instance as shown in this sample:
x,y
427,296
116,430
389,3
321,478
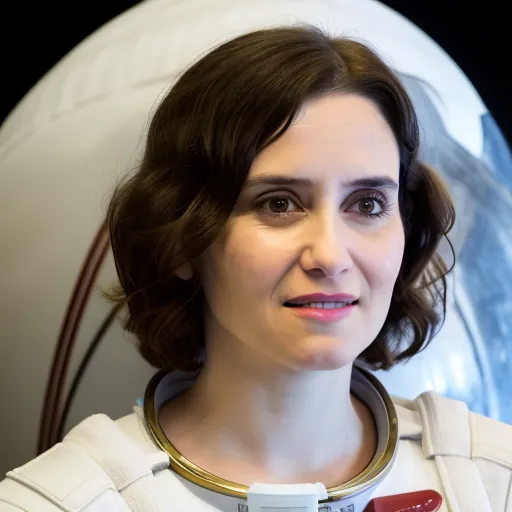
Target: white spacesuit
x,y
430,443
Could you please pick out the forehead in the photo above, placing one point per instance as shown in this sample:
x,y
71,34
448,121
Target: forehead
x,y
345,132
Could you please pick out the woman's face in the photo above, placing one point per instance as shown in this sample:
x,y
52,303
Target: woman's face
x,y
318,215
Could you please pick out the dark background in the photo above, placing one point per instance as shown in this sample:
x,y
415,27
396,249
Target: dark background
x,y
35,36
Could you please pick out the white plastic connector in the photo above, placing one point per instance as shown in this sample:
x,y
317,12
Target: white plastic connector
x,y
285,497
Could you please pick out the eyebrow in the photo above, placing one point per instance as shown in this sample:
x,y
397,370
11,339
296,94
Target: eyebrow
x,y
370,182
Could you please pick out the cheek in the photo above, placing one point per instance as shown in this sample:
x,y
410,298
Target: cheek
x,y
246,263
384,265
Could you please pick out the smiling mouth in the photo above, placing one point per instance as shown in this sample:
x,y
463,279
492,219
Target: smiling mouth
x,y
321,305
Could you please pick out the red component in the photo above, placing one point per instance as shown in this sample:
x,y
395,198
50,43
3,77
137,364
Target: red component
x,y
420,501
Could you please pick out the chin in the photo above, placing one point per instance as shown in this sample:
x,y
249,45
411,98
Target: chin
x,y
321,353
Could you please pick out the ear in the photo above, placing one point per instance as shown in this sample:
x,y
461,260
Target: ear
x,y
185,272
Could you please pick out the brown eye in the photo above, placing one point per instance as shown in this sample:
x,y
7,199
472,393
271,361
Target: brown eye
x,y
279,204
367,206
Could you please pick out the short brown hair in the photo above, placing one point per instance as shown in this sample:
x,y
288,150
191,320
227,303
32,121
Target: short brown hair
x,y
202,141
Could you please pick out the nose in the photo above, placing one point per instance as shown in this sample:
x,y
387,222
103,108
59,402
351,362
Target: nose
x,y
327,251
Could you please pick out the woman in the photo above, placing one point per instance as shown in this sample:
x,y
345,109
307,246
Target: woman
x,y
280,229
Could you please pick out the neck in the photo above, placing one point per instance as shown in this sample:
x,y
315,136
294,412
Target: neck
x,y
286,425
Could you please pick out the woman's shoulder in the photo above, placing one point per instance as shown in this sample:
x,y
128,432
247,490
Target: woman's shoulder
x,y
95,460
447,425
472,453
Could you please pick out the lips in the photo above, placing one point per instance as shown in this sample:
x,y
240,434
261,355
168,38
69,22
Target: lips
x,y
318,307
321,298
